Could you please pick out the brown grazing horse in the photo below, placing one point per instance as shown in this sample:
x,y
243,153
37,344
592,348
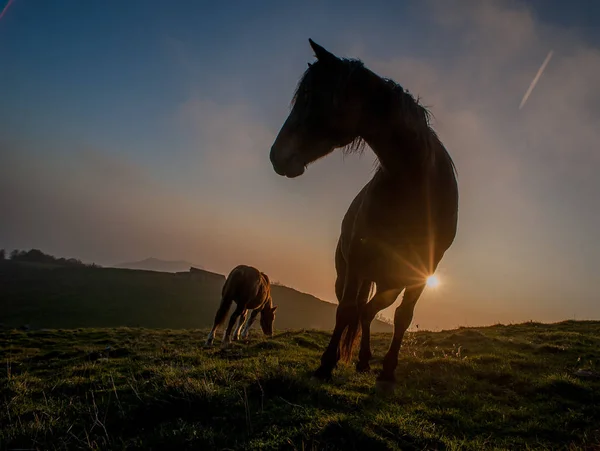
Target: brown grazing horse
x,y
251,290
400,224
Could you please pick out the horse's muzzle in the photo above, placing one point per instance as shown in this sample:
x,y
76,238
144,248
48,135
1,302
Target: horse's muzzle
x,y
292,166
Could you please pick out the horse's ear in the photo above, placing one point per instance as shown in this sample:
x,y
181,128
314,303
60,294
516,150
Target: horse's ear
x,y
309,65
274,308
320,52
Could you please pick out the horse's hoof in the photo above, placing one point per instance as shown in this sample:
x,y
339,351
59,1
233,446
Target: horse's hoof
x,y
385,387
208,344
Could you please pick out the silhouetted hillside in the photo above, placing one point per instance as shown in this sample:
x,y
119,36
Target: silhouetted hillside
x,y
155,264
35,256
72,297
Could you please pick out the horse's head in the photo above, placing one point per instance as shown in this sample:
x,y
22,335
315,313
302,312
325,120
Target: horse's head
x,y
325,114
267,318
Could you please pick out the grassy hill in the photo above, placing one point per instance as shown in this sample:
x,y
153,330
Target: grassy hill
x,y
502,387
51,296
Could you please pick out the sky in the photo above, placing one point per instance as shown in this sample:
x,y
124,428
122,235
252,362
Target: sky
x,y
143,128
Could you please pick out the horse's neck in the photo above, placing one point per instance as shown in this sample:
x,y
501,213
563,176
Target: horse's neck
x,y
269,303
400,155
401,146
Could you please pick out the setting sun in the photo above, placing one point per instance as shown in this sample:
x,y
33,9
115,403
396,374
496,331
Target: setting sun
x,y
432,281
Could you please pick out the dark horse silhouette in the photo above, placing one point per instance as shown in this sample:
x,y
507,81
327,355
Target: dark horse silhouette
x,y
401,223
251,290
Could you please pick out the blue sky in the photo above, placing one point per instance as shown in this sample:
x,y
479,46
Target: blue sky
x,y
142,128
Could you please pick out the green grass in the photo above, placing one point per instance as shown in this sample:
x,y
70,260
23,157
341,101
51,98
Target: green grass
x,y
502,387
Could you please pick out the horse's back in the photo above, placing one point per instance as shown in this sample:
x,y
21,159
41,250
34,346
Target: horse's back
x,y
242,278
246,284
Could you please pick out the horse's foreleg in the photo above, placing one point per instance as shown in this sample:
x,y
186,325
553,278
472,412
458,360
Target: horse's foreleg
x,y
402,320
248,325
234,316
382,299
242,320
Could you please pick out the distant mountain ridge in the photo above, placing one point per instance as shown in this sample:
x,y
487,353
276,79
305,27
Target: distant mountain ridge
x,y
156,264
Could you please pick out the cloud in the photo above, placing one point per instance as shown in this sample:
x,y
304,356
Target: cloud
x,y
92,204
226,137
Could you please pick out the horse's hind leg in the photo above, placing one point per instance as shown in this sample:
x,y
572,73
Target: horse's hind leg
x,y
219,319
347,311
382,299
402,320
346,289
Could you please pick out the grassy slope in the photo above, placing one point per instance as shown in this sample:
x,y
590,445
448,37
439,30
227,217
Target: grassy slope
x,y
63,297
503,387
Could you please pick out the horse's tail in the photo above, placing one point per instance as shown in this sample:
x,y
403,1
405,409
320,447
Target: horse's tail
x,y
228,295
352,331
349,338
223,311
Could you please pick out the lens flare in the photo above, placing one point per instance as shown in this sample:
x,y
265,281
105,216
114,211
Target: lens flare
x,y
10,2
433,281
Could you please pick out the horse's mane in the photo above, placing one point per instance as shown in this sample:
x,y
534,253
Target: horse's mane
x,y
266,278
415,115
417,118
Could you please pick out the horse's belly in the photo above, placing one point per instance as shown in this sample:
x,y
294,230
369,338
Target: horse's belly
x,y
398,265
394,239
256,302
